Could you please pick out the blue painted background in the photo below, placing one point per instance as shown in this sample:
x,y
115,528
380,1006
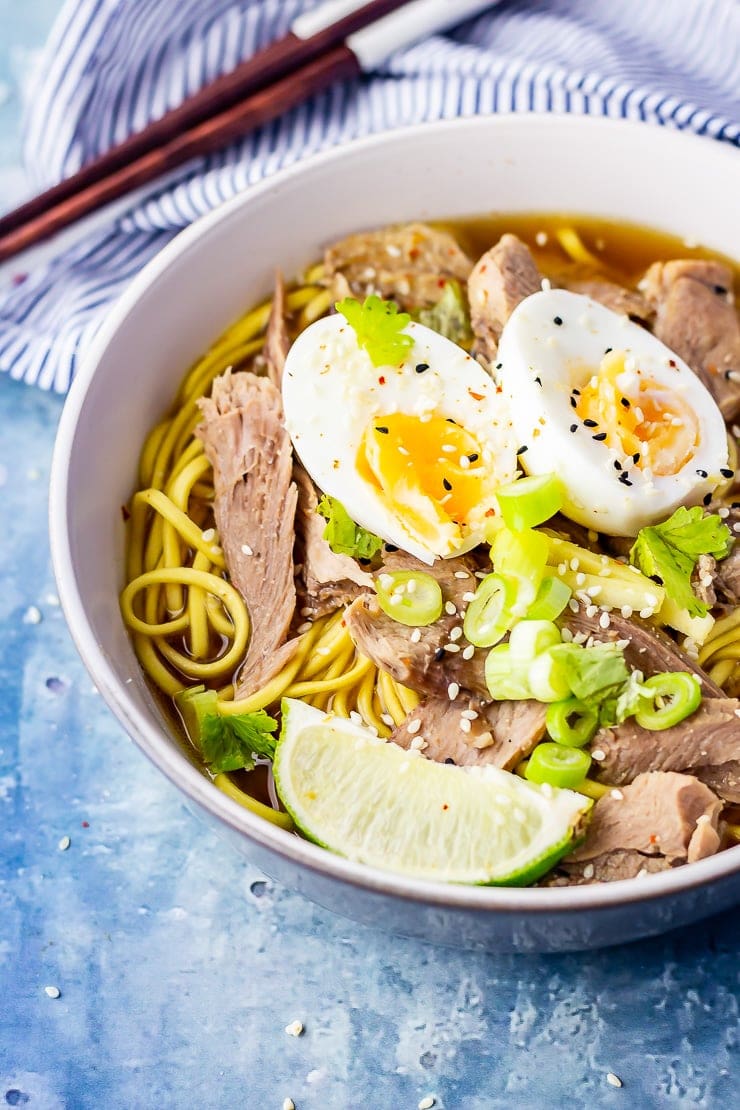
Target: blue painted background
x,y
179,966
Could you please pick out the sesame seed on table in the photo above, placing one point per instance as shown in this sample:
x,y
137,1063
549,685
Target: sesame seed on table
x,y
144,964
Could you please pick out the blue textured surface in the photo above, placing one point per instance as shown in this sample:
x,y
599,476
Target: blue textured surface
x,y
179,965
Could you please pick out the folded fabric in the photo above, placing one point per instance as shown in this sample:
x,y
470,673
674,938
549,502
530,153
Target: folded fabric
x,y
111,66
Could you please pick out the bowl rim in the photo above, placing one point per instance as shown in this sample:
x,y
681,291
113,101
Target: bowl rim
x,y
154,742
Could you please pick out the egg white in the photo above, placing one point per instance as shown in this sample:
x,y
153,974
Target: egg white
x,y
332,390
541,361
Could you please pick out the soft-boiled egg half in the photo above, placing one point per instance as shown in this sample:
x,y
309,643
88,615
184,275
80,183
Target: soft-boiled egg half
x,y
415,451
628,428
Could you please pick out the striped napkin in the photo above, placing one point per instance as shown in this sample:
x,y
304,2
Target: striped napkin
x,y
111,66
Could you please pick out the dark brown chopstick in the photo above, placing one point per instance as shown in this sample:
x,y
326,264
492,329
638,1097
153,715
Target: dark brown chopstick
x,y
164,144
336,65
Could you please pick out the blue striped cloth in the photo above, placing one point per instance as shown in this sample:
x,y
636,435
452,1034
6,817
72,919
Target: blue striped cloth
x,y
111,66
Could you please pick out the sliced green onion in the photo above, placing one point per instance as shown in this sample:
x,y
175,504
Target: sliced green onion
x,y
558,765
572,722
547,678
530,501
552,598
506,679
523,556
490,614
530,638
675,697
409,597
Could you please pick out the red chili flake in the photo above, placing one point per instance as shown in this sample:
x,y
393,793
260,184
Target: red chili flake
x,y
476,396
672,362
445,806
653,838
381,379
86,824
490,512
441,283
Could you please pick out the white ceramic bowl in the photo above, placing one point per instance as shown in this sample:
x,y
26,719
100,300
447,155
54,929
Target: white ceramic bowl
x,y
194,289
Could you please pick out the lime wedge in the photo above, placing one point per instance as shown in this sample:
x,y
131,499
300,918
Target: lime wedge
x,y
373,802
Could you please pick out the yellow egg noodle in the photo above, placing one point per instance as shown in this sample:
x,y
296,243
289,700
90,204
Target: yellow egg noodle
x,y
177,589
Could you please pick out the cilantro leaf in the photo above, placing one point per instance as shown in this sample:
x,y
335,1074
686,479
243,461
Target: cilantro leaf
x,y
669,552
595,673
378,326
230,743
449,316
343,535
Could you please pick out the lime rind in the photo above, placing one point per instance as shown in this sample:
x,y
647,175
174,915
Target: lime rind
x,y
373,802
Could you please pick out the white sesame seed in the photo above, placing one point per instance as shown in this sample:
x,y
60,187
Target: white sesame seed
x,y
387,719
448,448
545,285
617,795
456,633
604,621
736,527
468,652
304,627
208,535
294,1029
385,580
427,1102
592,610
468,597
355,717
451,647
469,715
288,1104
32,615
626,611
562,568
450,608
613,1080
464,462
453,690
64,843
598,755
465,725
416,744
484,573
588,871
573,605
646,612
580,578
464,573
413,726
411,586
415,636
566,634
724,512
574,563
594,591
246,549
52,992
540,238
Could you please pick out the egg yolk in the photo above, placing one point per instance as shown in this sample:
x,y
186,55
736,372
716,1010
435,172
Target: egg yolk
x,y
429,471
647,422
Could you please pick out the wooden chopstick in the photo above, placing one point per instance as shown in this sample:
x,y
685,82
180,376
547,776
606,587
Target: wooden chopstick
x,y
222,111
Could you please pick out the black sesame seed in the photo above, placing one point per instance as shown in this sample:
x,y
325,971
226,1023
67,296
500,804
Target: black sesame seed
x,y
599,437
726,472
450,761
499,365
557,320
473,457
447,485
522,449
608,350
624,401
576,391
439,655
591,423
720,290
735,504
617,464
451,421
702,473
365,562
381,429
574,427
573,402
707,498
421,367
636,457
624,479
538,379
391,547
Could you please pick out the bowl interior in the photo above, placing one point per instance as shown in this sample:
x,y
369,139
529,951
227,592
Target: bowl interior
x,y
226,262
